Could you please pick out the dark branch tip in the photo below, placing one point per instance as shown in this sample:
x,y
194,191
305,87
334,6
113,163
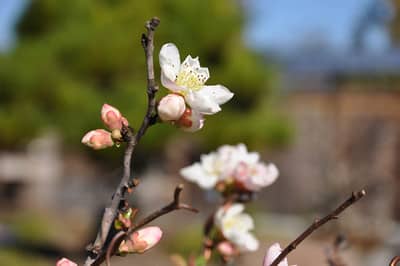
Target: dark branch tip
x,y
152,23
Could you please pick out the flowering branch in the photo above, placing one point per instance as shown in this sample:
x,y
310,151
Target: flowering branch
x,y
174,205
98,247
318,223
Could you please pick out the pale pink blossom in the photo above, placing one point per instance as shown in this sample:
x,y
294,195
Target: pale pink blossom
x,y
112,117
98,139
65,262
231,165
141,240
188,79
171,107
255,176
272,253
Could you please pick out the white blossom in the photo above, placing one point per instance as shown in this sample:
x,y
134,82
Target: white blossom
x,y
231,165
235,226
188,79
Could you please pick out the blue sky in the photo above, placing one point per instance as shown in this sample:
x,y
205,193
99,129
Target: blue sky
x,y
282,25
286,24
9,12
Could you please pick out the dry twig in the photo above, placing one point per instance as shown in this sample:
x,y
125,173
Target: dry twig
x,y
174,205
110,212
318,223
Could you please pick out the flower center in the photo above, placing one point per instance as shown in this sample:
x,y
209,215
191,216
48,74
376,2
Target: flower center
x,y
190,79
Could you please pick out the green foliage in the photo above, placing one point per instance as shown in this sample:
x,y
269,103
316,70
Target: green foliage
x,y
73,56
11,257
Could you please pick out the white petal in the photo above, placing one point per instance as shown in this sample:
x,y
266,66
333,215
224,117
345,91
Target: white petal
x,y
170,60
234,210
169,84
246,222
218,93
196,173
250,243
193,65
264,175
202,102
208,161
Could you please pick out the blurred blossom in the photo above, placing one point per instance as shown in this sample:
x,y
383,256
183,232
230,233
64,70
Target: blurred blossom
x,y
231,166
226,249
235,226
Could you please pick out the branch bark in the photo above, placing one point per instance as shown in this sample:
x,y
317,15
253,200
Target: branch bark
x,y
174,205
318,223
110,212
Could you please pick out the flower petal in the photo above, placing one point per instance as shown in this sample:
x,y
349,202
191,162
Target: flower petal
x,y
192,65
170,60
272,253
234,210
170,84
202,102
196,173
197,120
249,243
218,93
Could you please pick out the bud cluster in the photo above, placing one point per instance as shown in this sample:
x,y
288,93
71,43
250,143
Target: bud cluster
x,y
99,138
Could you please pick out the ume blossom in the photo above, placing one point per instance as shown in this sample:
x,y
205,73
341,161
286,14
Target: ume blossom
x,y
231,166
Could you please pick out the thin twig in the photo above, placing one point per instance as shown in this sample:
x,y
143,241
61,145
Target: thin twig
x,y
394,261
174,205
318,223
110,212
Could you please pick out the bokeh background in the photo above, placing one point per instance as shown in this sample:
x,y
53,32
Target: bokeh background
x,y
316,88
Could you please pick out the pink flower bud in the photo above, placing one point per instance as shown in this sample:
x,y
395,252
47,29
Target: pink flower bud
x,y
226,249
272,253
98,139
141,240
171,107
112,117
191,121
65,262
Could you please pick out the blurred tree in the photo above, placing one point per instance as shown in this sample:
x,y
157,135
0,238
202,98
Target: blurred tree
x,y
395,25
72,56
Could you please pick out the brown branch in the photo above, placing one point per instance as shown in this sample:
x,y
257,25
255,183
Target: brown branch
x,y
318,223
110,212
174,205
394,261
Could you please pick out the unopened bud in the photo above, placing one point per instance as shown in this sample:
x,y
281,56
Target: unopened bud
x,y
171,107
65,262
226,249
112,117
141,240
191,121
98,139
